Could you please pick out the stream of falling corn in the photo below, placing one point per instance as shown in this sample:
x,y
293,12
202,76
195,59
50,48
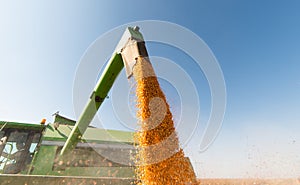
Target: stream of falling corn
x,y
160,160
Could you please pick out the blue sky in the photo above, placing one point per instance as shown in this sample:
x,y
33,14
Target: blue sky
x,y
256,44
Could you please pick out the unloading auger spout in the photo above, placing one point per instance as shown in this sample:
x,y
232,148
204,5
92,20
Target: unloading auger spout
x,y
130,47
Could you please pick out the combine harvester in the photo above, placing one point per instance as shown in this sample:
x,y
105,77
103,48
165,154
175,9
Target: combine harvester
x,y
69,152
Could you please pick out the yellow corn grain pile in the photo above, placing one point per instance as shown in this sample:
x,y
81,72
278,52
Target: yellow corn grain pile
x,y
159,159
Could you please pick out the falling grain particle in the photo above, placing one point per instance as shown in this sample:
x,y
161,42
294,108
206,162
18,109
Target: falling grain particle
x,y
160,160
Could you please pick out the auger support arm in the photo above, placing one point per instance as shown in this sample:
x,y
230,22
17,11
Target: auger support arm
x,y
98,95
